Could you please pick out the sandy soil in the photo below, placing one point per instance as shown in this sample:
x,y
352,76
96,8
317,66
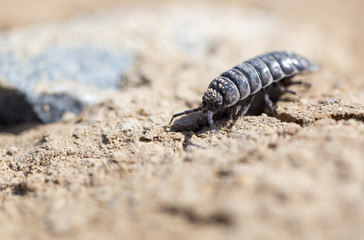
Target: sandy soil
x,y
117,171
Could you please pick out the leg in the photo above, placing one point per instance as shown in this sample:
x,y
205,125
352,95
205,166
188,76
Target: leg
x,y
284,89
242,108
268,101
211,121
306,84
288,82
232,111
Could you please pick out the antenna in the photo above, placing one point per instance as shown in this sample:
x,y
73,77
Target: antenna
x,y
185,112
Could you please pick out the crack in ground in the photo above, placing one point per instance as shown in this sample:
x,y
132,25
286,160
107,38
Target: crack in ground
x,y
289,118
347,116
192,216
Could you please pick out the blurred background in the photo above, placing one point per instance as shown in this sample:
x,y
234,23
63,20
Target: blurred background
x,y
332,14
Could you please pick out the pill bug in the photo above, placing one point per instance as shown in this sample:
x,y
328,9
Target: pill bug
x,y
235,89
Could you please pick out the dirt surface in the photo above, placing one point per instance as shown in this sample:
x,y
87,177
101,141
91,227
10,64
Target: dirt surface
x,y
117,171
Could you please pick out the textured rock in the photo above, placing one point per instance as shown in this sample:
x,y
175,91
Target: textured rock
x,y
48,70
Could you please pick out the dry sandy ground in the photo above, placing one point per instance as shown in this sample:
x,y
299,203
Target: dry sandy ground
x,y
118,172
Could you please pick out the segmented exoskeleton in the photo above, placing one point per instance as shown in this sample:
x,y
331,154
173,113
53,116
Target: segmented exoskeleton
x,y
235,89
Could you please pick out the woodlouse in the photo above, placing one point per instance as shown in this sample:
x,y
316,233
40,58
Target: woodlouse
x,y
235,89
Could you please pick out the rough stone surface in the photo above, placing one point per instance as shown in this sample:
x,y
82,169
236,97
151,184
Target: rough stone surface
x,y
58,68
117,171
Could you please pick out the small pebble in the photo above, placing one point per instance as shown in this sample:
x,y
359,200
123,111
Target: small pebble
x,y
12,151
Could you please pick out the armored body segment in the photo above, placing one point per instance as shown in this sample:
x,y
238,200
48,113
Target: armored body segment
x,y
227,89
239,80
285,62
301,64
251,75
273,66
263,71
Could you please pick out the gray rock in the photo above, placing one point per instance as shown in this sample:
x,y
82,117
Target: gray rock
x,y
60,70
